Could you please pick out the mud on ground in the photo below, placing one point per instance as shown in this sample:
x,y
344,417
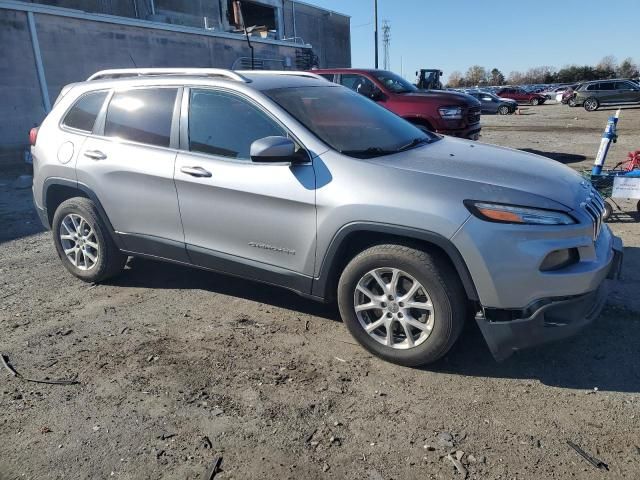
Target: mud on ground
x,y
178,366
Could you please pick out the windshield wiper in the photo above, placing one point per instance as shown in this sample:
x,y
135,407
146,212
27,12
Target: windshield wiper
x,y
414,143
370,152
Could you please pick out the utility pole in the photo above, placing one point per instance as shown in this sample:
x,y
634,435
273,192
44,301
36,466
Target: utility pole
x,y
386,44
375,30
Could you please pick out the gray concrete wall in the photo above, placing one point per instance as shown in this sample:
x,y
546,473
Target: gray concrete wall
x,y
21,104
328,33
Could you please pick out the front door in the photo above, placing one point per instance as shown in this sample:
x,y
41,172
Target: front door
x,y
256,220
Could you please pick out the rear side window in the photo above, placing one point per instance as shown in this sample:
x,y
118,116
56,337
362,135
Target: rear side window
x,y
607,86
593,86
142,115
83,114
226,125
328,76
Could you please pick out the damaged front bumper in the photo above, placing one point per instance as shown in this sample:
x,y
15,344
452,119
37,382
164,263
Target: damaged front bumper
x,y
546,320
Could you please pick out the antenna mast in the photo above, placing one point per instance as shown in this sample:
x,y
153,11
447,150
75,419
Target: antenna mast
x,y
386,44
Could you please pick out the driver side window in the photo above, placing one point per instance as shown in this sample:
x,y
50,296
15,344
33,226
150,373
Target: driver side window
x,y
226,125
357,83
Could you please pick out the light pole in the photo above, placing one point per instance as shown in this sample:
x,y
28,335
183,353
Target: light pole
x,y
375,29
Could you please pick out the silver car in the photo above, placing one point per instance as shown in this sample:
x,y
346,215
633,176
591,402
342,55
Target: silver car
x,y
291,180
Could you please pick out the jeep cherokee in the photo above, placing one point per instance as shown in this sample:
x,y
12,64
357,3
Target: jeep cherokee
x,y
294,181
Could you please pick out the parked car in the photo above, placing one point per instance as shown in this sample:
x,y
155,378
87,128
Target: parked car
x,y
591,95
554,92
493,104
446,112
291,180
568,96
521,96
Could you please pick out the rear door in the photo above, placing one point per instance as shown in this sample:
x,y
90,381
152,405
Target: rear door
x,y
627,92
607,93
129,165
255,220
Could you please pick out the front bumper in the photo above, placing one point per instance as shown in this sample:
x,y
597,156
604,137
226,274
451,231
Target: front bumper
x,y
550,319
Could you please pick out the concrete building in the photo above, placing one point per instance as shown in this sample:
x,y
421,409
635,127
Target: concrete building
x,y
46,44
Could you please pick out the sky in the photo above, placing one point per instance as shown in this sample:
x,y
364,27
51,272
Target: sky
x,y
511,35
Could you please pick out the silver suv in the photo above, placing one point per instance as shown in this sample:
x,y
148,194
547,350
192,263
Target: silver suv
x,y
295,181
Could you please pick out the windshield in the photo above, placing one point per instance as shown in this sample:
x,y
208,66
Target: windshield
x,y
349,122
394,83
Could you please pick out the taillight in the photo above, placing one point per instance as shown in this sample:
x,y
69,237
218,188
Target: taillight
x,y
33,136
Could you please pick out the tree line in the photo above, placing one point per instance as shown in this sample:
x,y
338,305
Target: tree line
x,y
606,68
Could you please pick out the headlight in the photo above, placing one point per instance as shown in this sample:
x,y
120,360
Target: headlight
x,y
496,212
451,113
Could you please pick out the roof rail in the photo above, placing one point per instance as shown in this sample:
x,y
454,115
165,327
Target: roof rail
x,y
149,72
294,73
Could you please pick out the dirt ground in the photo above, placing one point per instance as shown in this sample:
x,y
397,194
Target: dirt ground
x,y
178,366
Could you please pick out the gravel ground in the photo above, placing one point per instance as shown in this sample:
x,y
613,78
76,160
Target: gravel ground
x,y
178,366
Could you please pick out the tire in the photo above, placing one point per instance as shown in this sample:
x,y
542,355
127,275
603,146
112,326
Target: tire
x,y
638,206
608,210
439,284
591,104
571,102
535,101
90,238
504,110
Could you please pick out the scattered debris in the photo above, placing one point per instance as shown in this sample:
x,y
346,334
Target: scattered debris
x,y
593,461
429,448
456,461
310,436
216,412
325,467
306,325
124,330
206,442
167,436
214,469
595,390
445,439
66,332
340,359
9,367
45,429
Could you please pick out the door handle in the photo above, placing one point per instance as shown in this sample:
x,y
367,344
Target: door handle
x,y
196,172
95,155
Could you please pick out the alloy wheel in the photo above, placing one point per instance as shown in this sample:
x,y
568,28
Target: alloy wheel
x,y
79,242
394,308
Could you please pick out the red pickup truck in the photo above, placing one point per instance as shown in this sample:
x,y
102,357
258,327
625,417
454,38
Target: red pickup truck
x,y
449,113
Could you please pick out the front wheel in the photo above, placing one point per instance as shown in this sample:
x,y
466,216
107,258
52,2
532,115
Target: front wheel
x,y
571,102
535,101
83,243
404,305
591,104
608,210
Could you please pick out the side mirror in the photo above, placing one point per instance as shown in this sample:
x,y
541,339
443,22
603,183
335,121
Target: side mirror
x,y
273,150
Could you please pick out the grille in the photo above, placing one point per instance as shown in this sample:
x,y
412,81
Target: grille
x,y
594,206
474,115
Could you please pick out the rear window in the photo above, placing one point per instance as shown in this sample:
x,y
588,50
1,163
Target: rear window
x,y
83,114
142,115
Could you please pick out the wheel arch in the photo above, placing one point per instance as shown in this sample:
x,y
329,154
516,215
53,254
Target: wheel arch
x,y
57,190
358,236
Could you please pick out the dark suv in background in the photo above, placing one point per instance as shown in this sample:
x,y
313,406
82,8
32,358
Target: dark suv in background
x,y
449,113
591,95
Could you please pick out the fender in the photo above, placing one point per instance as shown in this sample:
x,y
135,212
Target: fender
x,y
321,284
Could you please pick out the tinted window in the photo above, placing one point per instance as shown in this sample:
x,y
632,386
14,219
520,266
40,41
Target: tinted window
x,y
349,122
328,76
625,86
355,82
607,86
84,113
593,86
142,115
226,125
393,82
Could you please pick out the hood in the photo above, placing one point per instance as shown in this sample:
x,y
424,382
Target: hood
x,y
507,100
445,97
491,165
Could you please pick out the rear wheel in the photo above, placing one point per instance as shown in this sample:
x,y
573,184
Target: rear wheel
x,y
504,110
591,104
404,305
83,242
